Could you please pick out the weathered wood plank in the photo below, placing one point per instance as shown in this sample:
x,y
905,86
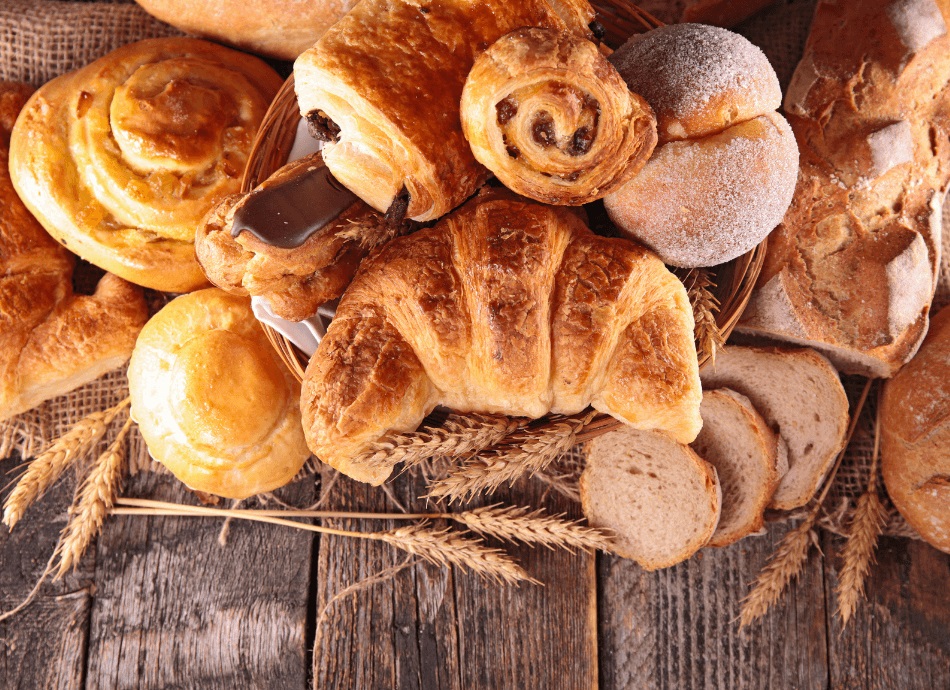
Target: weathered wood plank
x,y
898,638
174,608
677,628
44,646
433,629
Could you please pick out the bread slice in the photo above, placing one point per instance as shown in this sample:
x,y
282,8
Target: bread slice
x,y
800,396
661,499
739,444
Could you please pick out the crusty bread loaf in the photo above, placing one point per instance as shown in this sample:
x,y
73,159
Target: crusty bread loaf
x,y
851,269
915,436
277,28
660,499
799,394
737,441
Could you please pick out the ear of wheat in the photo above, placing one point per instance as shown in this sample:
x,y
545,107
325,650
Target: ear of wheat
x,y
705,306
50,464
521,524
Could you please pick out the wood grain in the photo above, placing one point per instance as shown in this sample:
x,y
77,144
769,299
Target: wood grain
x,y
44,646
174,608
438,629
676,628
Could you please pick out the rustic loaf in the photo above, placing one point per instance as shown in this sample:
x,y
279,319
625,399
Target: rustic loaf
x,y
915,436
800,396
851,269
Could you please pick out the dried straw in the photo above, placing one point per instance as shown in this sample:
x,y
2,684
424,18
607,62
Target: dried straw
x,y
50,464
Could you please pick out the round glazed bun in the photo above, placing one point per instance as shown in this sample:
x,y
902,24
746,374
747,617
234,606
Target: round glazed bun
x,y
702,202
280,29
915,436
121,160
698,79
212,399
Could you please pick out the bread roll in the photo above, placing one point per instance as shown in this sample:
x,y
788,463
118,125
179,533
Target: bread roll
x,y
552,119
915,436
51,340
851,269
280,29
726,169
212,399
383,87
122,159
505,306
660,499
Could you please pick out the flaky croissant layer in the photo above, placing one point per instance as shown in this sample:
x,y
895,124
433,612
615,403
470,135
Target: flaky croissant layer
x,y
504,306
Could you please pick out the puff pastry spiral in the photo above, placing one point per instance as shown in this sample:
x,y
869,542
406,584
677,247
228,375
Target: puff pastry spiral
x,y
383,86
505,306
554,121
120,160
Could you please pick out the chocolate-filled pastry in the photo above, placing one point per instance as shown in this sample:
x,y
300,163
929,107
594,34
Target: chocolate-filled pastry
x,y
504,306
554,121
382,88
121,159
297,239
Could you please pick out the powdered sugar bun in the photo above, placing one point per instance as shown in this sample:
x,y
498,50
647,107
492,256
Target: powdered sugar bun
x,y
698,79
702,202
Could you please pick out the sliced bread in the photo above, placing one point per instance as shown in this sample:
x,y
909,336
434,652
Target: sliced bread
x,y
660,499
800,396
739,444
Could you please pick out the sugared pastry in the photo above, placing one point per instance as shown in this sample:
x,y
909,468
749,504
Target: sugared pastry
x,y
382,88
51,340
280,29
121,159
297,239
553,120
725,171
212,399
505,306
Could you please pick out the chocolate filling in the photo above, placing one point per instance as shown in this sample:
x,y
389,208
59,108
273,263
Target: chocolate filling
x,y
322,128
396,213
285,214
506,109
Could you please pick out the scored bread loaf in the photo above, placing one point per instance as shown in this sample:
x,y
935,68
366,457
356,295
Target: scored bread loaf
x,y
851,269
800,396
660,499
738,442
915,436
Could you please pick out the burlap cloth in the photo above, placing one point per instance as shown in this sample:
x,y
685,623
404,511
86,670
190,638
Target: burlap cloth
x,y
40,40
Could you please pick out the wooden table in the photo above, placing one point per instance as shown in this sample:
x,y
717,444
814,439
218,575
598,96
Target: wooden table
x,y
159,603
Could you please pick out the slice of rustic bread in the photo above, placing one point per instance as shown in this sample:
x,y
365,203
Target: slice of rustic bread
x,y
661,499
799,394
739,444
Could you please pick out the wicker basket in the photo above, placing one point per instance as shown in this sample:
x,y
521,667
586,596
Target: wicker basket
x,y
733,281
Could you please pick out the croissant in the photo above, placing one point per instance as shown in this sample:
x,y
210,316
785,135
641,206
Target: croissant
x,y
51,341
121,159
504,306
554,121
382,87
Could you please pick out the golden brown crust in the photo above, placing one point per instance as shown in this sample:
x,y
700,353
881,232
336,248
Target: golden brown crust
x,y
121,159
389,75
552,119
280,29
915,436
212,399
51,340
481,312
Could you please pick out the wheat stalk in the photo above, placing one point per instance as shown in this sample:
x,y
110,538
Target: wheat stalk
x,y
705,306
525,454
370,232
866,526
94,501
458,435
521,524
50,464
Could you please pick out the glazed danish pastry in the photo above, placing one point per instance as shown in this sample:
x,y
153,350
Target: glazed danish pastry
x,y
553,120
122,159
382,88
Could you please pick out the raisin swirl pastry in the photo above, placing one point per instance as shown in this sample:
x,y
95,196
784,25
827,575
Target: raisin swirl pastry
x,y
554,121
121,159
